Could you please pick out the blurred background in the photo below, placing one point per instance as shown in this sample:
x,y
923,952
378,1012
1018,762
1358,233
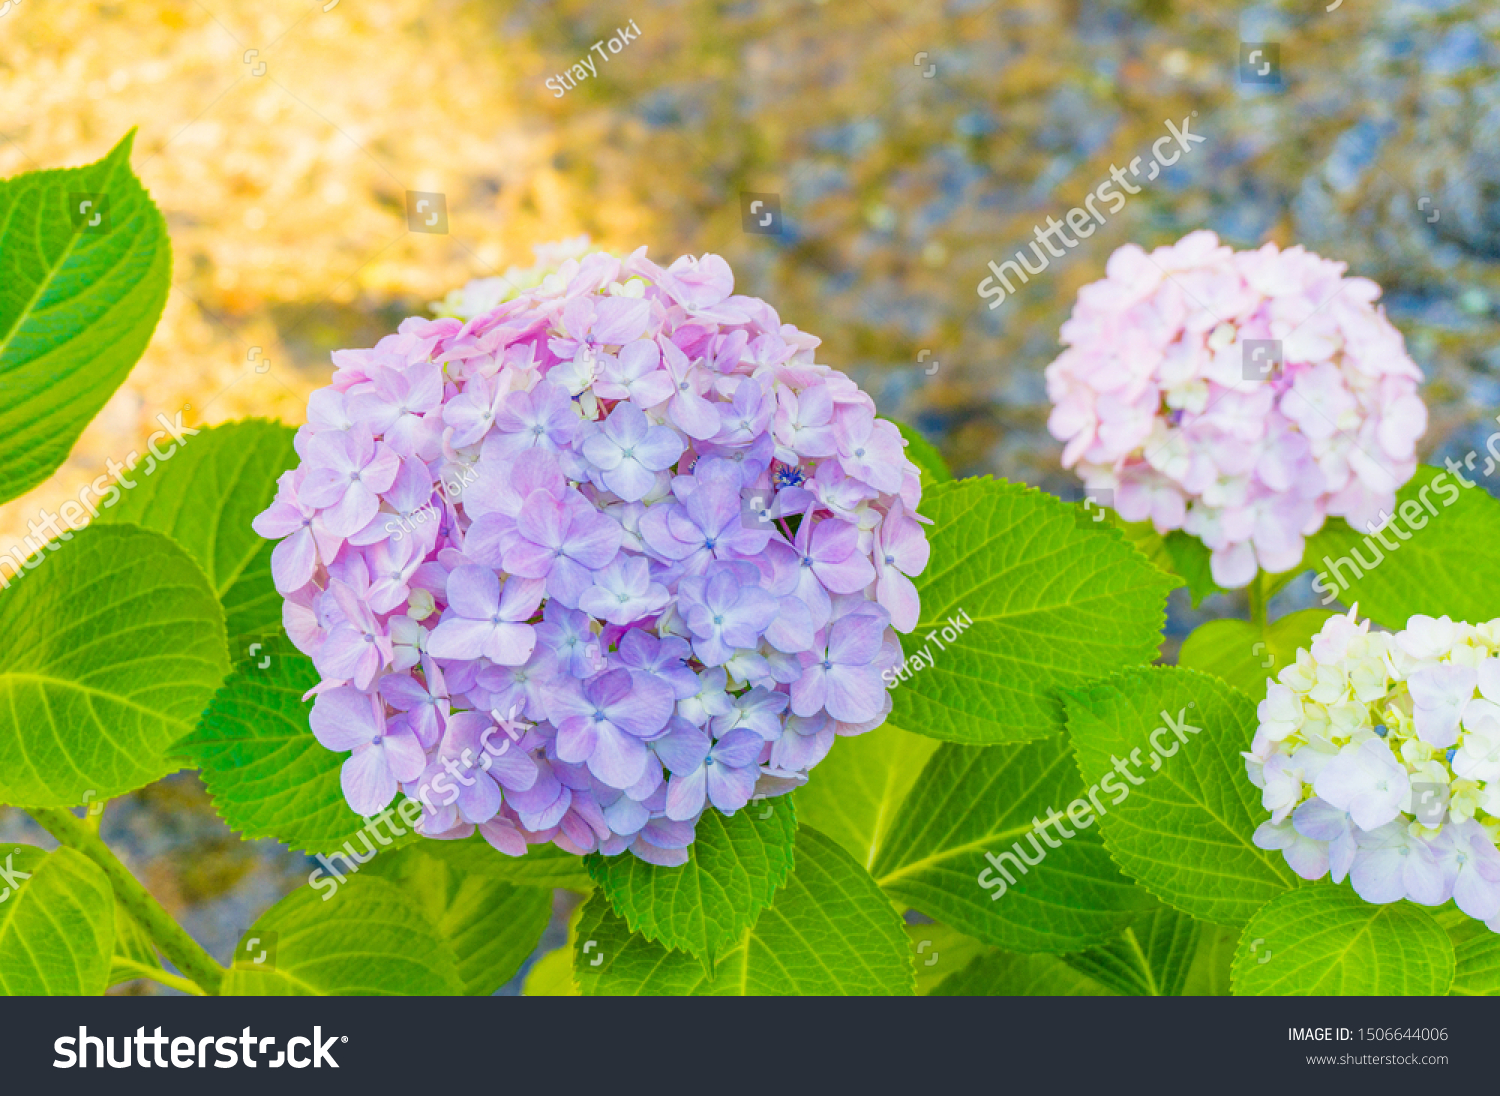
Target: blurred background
x,y
899,146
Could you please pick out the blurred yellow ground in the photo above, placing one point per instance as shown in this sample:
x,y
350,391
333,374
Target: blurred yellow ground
x,y
284,192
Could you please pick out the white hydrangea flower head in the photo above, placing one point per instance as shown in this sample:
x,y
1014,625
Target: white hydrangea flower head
x,y
1378,757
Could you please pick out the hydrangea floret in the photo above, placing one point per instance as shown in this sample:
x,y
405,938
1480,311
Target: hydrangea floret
x,y
1378,757
1243,397
587,563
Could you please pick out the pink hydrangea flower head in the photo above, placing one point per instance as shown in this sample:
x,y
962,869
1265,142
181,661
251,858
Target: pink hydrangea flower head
x,y
1244,397
593,554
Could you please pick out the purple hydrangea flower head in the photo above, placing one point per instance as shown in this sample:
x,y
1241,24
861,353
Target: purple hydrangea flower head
x,y
563,540
705,522
624,591
626,451
484,620
349,719
346,472
570,636
839,675
604,721
666,658
725,609
542,418
356,647
725,775
304,537
616,551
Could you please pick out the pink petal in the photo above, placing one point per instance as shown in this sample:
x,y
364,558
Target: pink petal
x,y
344,718
367,781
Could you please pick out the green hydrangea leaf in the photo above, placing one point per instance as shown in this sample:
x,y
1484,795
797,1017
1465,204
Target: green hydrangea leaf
x,y
204,498
939,952
489,923
546,866
1476,952
1177,553
1147,541
1190,560
1054,604
1155,955
1246,654
1184,830
57,927
109,653
552,975
372,938
1326,940
973,800
266,773
1150,957
860,786
830,932
735,866
1006,974
1209,974
134,956
1454,536
78,304
925,456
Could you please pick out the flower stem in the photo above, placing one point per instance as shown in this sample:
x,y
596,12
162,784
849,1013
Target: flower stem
x,y
156,974
173,940
1258,599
